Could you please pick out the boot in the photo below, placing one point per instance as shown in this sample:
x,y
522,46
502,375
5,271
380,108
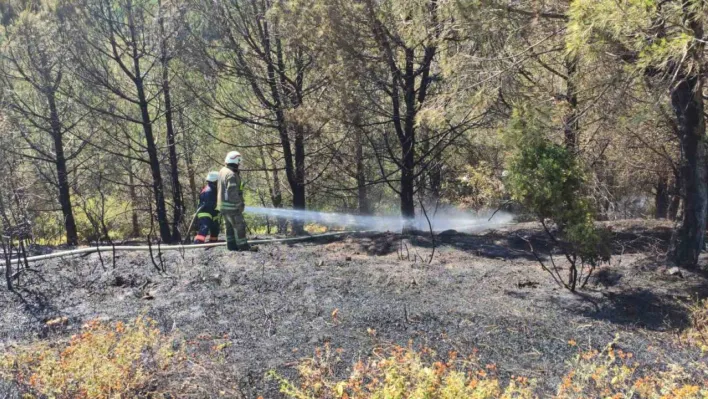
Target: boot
x,y
231,246
248,247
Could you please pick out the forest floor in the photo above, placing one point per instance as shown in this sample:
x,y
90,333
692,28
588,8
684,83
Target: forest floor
x,y
481,292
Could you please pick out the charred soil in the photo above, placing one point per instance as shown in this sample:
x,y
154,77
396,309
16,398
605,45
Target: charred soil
x,y
481,293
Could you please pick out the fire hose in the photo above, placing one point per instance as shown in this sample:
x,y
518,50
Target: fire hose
x,y
160,248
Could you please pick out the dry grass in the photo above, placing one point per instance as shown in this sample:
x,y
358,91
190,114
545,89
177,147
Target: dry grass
x,y
403,373
398,372
134,359
245,314
611,373
697,334
104,360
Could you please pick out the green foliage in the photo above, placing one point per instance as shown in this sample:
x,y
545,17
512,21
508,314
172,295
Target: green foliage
x,y
543,176
48,229
607,20
93,213
549,181
90,216
335,85
478,187
651,34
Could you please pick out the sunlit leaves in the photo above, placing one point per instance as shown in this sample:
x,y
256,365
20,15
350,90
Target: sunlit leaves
x,y
648,33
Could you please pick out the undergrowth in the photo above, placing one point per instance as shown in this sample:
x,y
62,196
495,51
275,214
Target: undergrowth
x,y
104,360
404,373
399,372
134,359
613,374
697,334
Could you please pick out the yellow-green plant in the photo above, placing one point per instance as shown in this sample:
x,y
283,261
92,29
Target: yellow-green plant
x,y
697,333
612,374
479,186
117,360
110,212
403,373
398,373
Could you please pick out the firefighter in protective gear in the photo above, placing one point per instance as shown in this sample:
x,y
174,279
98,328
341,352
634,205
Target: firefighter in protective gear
x,y
231,204
208,217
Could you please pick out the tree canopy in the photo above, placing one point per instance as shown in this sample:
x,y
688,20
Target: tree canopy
x,y
112,111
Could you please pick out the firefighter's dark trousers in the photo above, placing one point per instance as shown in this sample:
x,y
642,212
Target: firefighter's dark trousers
x,y
209,226
235,230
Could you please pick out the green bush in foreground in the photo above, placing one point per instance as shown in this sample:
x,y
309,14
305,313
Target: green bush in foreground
x,y
548,180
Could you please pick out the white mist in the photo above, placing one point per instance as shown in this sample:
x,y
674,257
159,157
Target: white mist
x,y
441,220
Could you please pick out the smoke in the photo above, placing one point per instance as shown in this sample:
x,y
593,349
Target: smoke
x,y
441,220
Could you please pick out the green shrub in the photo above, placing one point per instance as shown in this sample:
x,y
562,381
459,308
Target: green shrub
x,y
549,181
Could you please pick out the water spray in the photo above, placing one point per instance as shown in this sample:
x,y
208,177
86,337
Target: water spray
x,y
442,219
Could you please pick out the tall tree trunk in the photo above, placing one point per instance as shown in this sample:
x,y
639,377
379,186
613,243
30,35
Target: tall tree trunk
x,y
361,187
431,177
72,237
178,205
192,179
294,165
298,195
277,200
135,230
675,198
435,178
146,122
424,176
157,186
687,102
188,159
299,201
408,141
408,182
570,120
178,210
662,199
276,196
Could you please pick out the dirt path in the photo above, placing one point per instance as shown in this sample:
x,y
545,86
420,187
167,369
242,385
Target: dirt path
x,y
275,306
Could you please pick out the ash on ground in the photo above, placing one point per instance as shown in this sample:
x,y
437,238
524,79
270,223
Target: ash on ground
x,y
481,292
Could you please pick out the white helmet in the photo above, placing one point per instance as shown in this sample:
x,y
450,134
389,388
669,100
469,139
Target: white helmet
x,y
212,176
233,158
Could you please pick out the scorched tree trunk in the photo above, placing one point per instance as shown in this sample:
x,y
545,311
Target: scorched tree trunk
x,y
687,102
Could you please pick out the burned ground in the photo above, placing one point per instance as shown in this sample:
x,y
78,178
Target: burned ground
x,y
481,292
